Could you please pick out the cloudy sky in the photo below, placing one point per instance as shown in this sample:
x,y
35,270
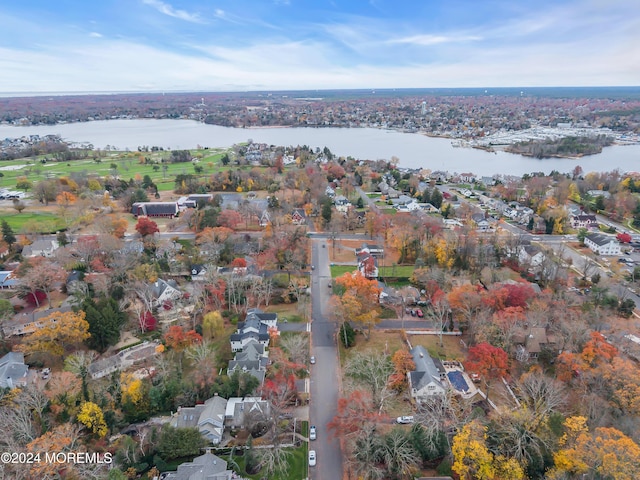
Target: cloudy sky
x,y
240,45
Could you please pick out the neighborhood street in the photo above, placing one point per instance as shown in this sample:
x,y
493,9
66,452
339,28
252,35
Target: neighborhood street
x,y
325,378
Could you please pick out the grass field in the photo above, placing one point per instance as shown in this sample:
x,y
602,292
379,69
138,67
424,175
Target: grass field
x,y
41,222
398,271
128,166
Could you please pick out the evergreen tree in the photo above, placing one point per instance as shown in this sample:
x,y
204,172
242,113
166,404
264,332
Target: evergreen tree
x,y
7,233
105,321
436,198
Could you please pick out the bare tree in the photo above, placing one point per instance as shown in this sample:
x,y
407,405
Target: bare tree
x,y
440,313
541,394
297,346
372,370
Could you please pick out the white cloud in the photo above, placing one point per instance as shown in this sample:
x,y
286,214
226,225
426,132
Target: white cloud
x,y
167,9
428,40
95,35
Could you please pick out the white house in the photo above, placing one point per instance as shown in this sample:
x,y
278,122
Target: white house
x,y
41,248
428,379
603,244
255,328
530,255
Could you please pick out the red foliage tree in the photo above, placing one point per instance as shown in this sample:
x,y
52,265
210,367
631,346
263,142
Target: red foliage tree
x,y
239,263
36,298
280,389
146,227
353,412
149,322
178,339
624,237
229,218
488,361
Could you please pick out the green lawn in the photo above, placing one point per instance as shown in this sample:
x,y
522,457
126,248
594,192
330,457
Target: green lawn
x,y
34,222
297,465
399,271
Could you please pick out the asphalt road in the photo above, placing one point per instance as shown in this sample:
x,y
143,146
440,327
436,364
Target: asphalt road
x,y
324,374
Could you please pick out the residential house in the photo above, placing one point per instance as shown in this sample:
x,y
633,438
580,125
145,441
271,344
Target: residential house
x,y
198,272
429,377
265,218
427,207
41,248
452,223
256,328
342,204
13,371
589,222
467,177
603,244
530,343
530,255
599,193
7,280
24,323
481,221
298,217
375,250
204,467
192,201
155,209
253,359
165,291
208,418
367,263
241,411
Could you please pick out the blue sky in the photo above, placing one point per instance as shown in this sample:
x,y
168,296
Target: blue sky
x,y
240,45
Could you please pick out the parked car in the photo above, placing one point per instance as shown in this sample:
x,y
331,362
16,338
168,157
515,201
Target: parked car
x,y
312,360
413,312
312,432
419,313
404,419
475,377
312,458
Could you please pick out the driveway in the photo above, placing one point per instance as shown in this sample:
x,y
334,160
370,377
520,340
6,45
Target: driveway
x,y
324,374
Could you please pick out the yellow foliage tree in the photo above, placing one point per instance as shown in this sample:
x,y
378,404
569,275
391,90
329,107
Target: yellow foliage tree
x,y
131,388
472,458
607,452
92,418
59,331
212,325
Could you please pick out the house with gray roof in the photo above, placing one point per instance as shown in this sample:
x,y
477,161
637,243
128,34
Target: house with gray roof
x,y
41,248
428,379
13,371
204,467
240,410
165,291
208,418
252,359
155,209
603,244
7,280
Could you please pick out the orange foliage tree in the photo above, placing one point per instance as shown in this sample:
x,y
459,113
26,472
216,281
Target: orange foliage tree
x,y
178,339
488,361
145,227
402,363
358,301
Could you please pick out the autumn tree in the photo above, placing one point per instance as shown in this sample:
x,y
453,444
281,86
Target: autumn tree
x,y
603,453
40,275
178,339
59,332
402,363
488,361
212,325
92,417
357,299
146,227
474,460
354,412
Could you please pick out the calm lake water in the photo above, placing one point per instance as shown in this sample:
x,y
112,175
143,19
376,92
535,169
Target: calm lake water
x,y
413,150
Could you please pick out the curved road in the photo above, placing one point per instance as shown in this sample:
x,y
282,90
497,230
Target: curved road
x,y
324,374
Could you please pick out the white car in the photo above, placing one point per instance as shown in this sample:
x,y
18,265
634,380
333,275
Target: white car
x,y
312,458
312,432
404,419
312,360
